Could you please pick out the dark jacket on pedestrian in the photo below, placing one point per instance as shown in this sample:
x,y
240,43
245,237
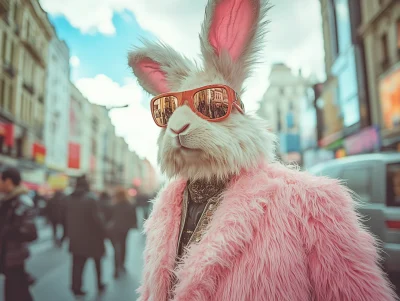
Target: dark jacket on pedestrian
x,y
17,228
142,200
123,219
55,209
105,206
84,224
123,215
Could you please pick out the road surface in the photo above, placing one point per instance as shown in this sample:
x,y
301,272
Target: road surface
x,y
51,266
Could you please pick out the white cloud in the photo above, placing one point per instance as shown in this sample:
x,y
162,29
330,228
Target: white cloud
x,y
134,123
74,61
294,37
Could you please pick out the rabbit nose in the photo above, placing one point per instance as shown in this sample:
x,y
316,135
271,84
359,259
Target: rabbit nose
x,y
182,129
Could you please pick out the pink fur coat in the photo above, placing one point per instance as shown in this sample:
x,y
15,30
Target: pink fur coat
x,y
279,234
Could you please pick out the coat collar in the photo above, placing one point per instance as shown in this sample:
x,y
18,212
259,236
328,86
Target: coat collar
x,y
19,190
231,229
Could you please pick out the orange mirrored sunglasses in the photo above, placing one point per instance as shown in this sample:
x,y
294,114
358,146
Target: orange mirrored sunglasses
x,y
212,103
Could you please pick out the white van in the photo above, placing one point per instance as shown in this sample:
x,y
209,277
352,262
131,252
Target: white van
x,y
375,178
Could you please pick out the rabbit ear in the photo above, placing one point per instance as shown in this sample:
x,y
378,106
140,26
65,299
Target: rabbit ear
x,y
231,36
158,67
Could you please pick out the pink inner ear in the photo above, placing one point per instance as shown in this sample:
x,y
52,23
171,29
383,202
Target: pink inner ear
x,y
231,26
155,77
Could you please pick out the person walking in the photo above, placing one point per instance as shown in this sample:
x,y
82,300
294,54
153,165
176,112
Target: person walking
x,y
86,233
54,213
143,199
105,205
123,219
17,229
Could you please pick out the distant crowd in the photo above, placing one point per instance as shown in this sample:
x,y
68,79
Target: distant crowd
x,y
86,219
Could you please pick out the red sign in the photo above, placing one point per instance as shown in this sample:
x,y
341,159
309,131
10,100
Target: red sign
x,y
38,152
74,155
7,131
3,129
10,134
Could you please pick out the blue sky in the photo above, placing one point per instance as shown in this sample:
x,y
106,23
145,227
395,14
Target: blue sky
x,y
98,53
100,34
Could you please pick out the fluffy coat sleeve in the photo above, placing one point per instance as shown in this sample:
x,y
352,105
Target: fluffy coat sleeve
x,y
342,254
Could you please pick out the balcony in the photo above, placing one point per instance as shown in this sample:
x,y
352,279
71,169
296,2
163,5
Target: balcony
x,y
4,7
32,48
29,88
9,69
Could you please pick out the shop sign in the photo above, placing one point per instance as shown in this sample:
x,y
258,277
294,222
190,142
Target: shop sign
x,y
39,153
367,140
7,131
340,153
57,181
389,87
74,150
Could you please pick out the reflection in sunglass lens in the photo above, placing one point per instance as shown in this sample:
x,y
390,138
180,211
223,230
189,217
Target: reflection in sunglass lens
x,y
163,108
212,103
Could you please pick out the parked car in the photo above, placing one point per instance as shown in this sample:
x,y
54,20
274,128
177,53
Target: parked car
x,y
375,178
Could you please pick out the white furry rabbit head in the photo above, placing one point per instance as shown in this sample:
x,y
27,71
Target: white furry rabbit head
x,y
189,145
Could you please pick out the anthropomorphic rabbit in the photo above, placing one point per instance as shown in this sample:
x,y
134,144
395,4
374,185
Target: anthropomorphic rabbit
x,y
233,224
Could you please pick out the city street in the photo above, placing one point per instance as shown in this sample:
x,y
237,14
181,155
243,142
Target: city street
x,y
51,266
52,269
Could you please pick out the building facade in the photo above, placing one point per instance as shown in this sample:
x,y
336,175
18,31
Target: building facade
x,y
345,121
310,133
48,129
79,138
281,105
380,34
25,33
57,106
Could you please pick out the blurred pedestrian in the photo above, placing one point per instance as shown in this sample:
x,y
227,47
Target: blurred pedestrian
x,y
86,233
142,200
105,205
123,219
55,213
17,228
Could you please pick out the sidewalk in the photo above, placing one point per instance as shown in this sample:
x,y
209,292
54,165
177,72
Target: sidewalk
x,y
53,271
51,266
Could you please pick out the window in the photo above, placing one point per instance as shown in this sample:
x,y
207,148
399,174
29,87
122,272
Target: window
x,y
359,180
279,120
333,28
15,12
4,50
398,33
384,51
28,29
12,55
2,92
343,24
10,106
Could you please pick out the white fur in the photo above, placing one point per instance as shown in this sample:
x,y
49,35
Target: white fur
x,y
210,149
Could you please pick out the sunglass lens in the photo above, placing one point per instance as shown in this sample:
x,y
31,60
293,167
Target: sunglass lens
x,y
163,108
212,103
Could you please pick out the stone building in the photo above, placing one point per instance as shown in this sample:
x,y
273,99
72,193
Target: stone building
x,y
25,33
